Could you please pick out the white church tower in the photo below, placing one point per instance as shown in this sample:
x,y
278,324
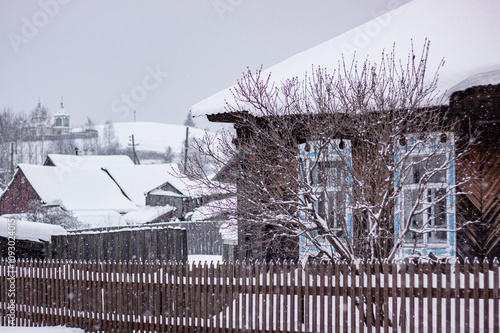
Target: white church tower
x,y
61,121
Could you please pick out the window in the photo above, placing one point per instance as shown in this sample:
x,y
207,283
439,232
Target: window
x,y
66,122
58,122
327,180
328,172
425,214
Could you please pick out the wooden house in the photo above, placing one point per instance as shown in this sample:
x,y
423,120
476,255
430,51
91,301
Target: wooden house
x,y
72,189
470,83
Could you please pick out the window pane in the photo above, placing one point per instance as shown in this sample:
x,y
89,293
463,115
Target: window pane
x,y
437,162
333,210
417,166
328,174
416,220
437,214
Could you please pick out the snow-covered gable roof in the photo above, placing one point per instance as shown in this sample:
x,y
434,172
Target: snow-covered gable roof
x,y
31,231
89,161
76,188
136,180
191,188
462,32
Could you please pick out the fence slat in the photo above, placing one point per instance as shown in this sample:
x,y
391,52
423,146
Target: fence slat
x,y
467,319
337,292
379,312
271,304
420,296
496,307
395,299
314,298
457,297
362,293
439,297
245,299
369,295
429,313
486,272
404,313
330,322
448,297
293,303
476,295
306,300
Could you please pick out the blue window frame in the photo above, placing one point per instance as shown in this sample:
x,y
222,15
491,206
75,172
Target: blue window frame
x,y
425,207
328,171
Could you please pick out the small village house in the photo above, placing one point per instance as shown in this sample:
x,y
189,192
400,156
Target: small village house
x,y
469,84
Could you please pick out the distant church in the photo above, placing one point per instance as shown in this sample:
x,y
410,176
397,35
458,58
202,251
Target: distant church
x,y
42,125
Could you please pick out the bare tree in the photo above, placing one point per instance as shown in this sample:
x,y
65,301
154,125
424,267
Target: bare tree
x,y
109,142
189,120
357,163
11,125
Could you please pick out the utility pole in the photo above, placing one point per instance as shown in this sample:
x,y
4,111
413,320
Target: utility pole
x,y
12,160
186,150
136,159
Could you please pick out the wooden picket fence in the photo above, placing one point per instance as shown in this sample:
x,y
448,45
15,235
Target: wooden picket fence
x,y
254,297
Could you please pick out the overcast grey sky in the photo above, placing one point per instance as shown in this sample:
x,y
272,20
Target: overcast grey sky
x,y
159,57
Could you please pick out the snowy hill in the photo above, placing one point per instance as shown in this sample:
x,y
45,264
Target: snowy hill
x,y
152,136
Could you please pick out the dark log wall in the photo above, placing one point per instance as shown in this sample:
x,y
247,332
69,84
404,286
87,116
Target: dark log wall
x,y
18,195
481,202
478,210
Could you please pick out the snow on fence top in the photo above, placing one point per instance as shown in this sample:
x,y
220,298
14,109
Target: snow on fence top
x,y
31,231
464,33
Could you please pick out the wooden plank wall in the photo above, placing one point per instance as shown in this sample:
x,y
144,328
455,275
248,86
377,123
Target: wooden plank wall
x,y
481,201
141,244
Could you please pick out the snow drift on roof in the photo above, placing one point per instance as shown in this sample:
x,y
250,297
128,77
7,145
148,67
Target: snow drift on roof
x,y
99,218
90,161
464,33
214,208
31,231
77,189
147,214
137,180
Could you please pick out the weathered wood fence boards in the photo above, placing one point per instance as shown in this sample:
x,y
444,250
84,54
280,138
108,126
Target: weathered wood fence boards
x,y
256,297
165,243
203,237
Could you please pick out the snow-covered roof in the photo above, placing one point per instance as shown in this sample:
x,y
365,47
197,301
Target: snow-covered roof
x,y
147,214
76,188
137,180
30,230
89,161
213,209
165,193
99,218
462,32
